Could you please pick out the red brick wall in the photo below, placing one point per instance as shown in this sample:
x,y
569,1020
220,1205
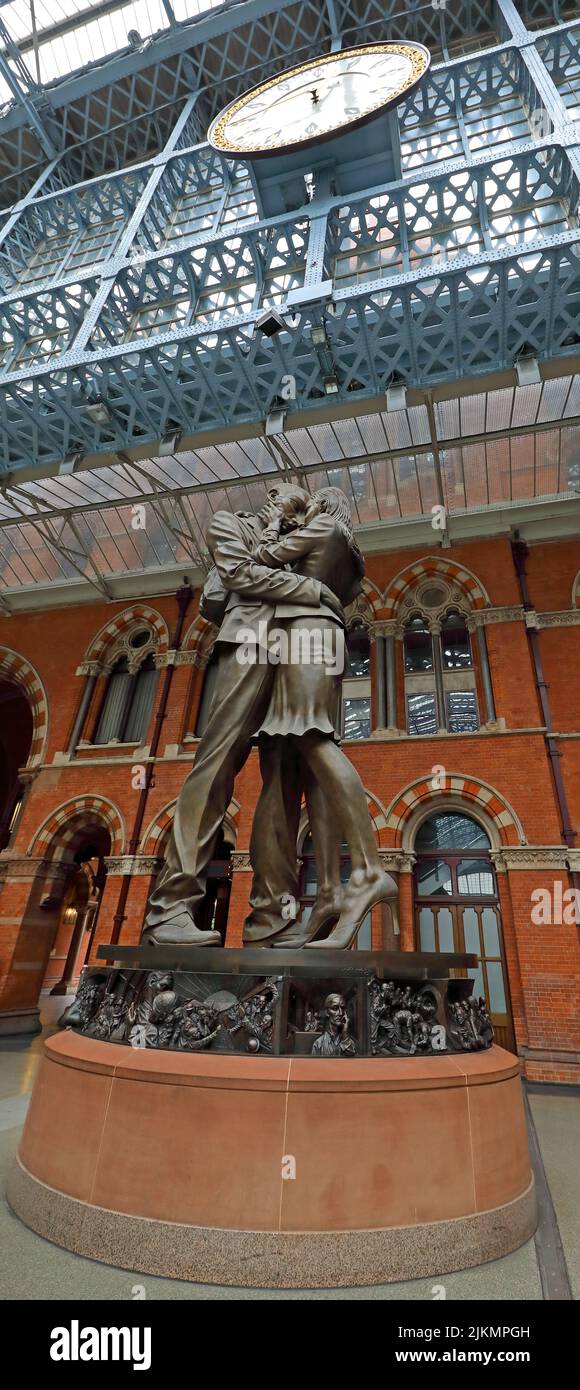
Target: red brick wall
x,y
542,961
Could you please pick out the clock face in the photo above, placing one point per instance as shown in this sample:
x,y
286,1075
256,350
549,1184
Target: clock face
x,y
319,99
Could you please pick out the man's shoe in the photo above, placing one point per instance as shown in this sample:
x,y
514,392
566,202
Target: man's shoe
x,y
179,931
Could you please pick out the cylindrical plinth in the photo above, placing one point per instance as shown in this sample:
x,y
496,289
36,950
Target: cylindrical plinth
x,y
275,1172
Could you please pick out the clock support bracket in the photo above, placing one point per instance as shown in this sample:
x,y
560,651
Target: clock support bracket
x,y
349,163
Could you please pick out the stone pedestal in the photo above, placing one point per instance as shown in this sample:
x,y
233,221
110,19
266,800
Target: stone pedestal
x,y
271,1171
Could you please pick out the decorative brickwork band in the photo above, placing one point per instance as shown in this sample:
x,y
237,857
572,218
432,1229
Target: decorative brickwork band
x,y
62,826
467,789
139,615
197,645
432,565
158,829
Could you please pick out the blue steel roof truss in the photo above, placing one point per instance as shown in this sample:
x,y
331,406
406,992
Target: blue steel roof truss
x,y
141,286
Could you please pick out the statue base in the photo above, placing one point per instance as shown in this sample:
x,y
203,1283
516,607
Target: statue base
x,y
278,1003
273,1172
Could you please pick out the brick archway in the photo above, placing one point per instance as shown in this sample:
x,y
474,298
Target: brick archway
x,y
377,814
155,836
61,828
19,672
463,791
138,615
199,639
428,567
367,606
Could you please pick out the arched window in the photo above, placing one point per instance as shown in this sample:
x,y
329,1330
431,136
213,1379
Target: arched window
x,y
457,906
309,889
126,708
356,686
439,676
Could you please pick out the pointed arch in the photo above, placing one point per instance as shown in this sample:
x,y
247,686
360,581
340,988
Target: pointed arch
x,y
16,669
199,640
155,836
122,624
377,813
429,566
366,607
62,826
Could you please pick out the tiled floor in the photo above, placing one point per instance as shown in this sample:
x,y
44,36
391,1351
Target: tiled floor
x,y
31,1268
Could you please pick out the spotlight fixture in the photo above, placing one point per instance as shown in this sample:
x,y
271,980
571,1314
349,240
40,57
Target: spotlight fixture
x,y
169,443
318,335
527,369
98,411
396,394
270,323
275,422
330,384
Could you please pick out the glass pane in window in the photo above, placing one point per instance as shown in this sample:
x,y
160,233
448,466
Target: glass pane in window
x,y
461,712
433,879
116,700
418,646
359,653
357,717
490,932
477,977
421,714
427,929
455,647
497,1001
448,831
141,704
445,928
471,931
474,877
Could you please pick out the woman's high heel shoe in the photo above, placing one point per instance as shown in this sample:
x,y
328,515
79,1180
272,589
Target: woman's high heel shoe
x,y
303,933
379,889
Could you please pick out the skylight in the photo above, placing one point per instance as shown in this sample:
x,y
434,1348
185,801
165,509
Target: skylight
x,y
56,37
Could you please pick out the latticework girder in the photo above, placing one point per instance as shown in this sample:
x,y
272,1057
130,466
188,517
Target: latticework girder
x,y
136,265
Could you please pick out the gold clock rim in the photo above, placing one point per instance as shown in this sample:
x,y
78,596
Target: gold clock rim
x,y
420,62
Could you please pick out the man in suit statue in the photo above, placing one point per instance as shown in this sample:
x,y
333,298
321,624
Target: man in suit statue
x,y
259,599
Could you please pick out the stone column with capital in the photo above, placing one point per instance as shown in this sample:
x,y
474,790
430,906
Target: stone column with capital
x,y
435,630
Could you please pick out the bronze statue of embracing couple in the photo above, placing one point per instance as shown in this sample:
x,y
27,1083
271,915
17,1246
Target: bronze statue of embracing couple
x,y
281,582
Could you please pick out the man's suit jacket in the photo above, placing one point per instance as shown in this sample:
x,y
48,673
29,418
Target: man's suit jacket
x,y
259,596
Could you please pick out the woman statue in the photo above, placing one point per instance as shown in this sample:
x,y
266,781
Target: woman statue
x,y
302,723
